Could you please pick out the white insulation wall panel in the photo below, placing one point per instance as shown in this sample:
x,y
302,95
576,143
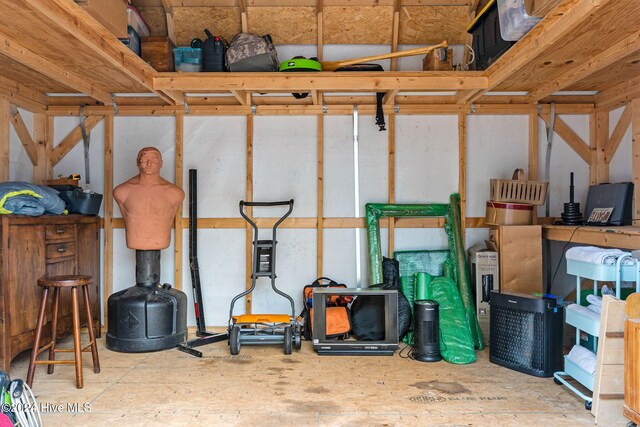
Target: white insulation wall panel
x,y
285,163
338,165
217,148
564,161
426,158
337,177
221,264
496,145
620,168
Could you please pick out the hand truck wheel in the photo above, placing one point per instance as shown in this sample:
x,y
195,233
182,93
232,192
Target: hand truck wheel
x,y
297,340
234,340
288,340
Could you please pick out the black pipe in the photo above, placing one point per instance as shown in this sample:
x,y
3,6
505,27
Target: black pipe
x,y
147,267
193,253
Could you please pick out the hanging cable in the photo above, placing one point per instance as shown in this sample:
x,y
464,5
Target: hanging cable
x,y
25,407
547,174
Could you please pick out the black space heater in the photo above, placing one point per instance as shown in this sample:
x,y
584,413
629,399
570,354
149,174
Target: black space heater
x,y
526,332
148,316
426,328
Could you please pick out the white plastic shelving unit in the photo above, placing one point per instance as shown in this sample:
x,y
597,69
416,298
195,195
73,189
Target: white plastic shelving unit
x,y
585,323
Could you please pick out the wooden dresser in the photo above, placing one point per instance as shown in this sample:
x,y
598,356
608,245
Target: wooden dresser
x,y
33,247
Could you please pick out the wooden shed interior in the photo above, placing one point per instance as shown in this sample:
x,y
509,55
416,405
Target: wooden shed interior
x,y
581,59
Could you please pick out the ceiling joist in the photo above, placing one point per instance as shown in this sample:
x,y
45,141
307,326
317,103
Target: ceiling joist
x,y
568,16
23,96
68,15
39,64
596,63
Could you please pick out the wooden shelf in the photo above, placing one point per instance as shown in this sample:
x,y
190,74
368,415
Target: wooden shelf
x,y
53,47
627,237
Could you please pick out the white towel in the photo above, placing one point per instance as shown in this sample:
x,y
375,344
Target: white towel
x,y
595,308
595,255
595,300
584,311
583,358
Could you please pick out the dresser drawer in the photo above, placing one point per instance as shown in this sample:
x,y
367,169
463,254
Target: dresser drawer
x,y
55,251
59,231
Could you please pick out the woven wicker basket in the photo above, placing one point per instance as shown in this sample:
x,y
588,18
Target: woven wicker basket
x,y
518,189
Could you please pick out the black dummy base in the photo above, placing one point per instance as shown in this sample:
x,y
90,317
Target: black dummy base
x,y
148,316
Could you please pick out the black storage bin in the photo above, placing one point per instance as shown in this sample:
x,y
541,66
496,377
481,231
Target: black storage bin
x,y
79,201
488,44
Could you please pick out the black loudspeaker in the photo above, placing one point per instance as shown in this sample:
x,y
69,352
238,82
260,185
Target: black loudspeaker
x,y
426,331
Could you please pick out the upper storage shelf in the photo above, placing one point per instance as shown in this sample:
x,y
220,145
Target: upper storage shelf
x,y
55,47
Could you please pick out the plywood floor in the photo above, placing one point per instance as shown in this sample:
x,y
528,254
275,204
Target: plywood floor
x,y
263,387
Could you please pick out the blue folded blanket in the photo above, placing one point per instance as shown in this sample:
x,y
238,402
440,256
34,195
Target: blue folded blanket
x,y
23,198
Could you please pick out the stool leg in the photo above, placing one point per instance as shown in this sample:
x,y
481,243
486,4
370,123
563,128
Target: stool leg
x,y
92,336
36,344
76,336
54,329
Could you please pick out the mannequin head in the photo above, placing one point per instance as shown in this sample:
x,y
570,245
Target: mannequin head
x,y
149,161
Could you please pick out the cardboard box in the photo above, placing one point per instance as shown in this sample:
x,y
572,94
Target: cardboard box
x,y
539,8
112,14
519,257
438,60
485,277
158,52
502,213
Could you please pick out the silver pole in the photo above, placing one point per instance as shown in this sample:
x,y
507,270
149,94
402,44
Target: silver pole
x,y
356,189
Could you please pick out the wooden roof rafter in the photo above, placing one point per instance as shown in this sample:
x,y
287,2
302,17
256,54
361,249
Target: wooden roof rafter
x,y
26,57
599,62
67,15
556,26
23,96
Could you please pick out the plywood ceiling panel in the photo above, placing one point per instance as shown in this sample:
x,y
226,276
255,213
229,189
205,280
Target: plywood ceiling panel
x,y
431,25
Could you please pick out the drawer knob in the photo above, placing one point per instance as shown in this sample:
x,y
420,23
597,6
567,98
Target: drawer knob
x,y
60,230
61,250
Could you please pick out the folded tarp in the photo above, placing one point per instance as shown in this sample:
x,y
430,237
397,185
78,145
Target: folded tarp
x,y
23,198
456,342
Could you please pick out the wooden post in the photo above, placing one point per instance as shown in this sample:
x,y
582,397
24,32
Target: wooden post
x,y
177,248
320,212
108,211
635,167
462,173
598,139
5,143
42,170
533,153
392,180
320,38
249,212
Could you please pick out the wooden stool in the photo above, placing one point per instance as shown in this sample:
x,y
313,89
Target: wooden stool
x,y
57,282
